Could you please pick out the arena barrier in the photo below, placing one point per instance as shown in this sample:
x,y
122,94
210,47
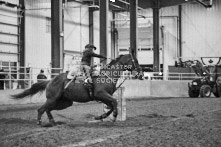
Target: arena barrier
x,y
155,88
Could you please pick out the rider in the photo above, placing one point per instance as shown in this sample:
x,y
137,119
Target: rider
x,y
88,53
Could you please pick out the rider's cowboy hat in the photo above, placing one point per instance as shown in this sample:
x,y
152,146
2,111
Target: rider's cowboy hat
x,y
90,46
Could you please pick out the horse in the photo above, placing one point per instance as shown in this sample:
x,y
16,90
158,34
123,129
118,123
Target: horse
x,y
104,85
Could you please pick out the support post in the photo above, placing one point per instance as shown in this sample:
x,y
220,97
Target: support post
x,y
21,32
113,37
180,31
91,25
57,35
156,50
133,27
103,26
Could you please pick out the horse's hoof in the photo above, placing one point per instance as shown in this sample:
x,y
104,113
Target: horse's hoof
x,y
114,119
53,123
98,118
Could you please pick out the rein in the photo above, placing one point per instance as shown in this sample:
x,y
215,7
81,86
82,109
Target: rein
x,y
121,84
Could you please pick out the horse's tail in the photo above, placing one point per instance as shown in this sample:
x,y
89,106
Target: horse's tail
x,y
35,88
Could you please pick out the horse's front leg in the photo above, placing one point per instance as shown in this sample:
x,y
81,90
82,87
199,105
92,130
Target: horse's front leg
x,y
111,102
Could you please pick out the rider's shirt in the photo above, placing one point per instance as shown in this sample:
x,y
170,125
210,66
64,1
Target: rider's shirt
x,y
87,55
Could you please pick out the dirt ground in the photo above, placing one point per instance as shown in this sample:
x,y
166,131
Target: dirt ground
x,y
166,122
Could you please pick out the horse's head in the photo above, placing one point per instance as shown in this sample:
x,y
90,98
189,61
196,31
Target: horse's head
x,y
131,63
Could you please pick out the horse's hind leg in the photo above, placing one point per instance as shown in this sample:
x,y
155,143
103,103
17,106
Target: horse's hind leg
x,y
50,117
41,111
60,105
47,106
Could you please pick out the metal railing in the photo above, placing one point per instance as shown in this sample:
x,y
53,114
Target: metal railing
x,y
164,76
24,77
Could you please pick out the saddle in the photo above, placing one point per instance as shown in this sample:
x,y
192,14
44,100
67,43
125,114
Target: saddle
x,y
87,85
95,70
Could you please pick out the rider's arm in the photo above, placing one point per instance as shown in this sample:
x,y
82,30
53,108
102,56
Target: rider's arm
x,y
97,55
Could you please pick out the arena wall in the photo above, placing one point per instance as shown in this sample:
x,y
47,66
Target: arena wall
x,y
37,35
201,30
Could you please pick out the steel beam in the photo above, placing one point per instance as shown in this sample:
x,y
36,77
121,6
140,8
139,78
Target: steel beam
x,y
91,25
103,26
57,35
113,37
156,50
21,40
180,30
133,26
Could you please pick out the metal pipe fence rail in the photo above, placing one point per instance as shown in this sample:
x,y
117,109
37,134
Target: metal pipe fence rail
x,y
165,76
24,77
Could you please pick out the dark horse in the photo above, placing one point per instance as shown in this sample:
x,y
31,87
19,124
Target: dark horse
x,y
104,86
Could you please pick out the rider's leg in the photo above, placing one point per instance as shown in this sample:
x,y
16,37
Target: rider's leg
x,y
88,74
88,79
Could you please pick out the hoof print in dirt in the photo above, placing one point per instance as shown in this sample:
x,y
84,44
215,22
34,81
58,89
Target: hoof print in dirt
x,y
60,123
154,115
89,116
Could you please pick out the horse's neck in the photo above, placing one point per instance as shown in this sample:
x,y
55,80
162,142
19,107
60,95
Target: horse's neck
x,y
113,72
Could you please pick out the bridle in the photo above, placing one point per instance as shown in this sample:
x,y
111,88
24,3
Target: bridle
x,y
133,62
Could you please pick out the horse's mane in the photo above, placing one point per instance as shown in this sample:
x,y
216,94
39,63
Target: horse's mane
x,y
115,60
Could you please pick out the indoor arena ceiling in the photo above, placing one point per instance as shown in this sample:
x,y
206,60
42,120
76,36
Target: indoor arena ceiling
x,y
124,5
